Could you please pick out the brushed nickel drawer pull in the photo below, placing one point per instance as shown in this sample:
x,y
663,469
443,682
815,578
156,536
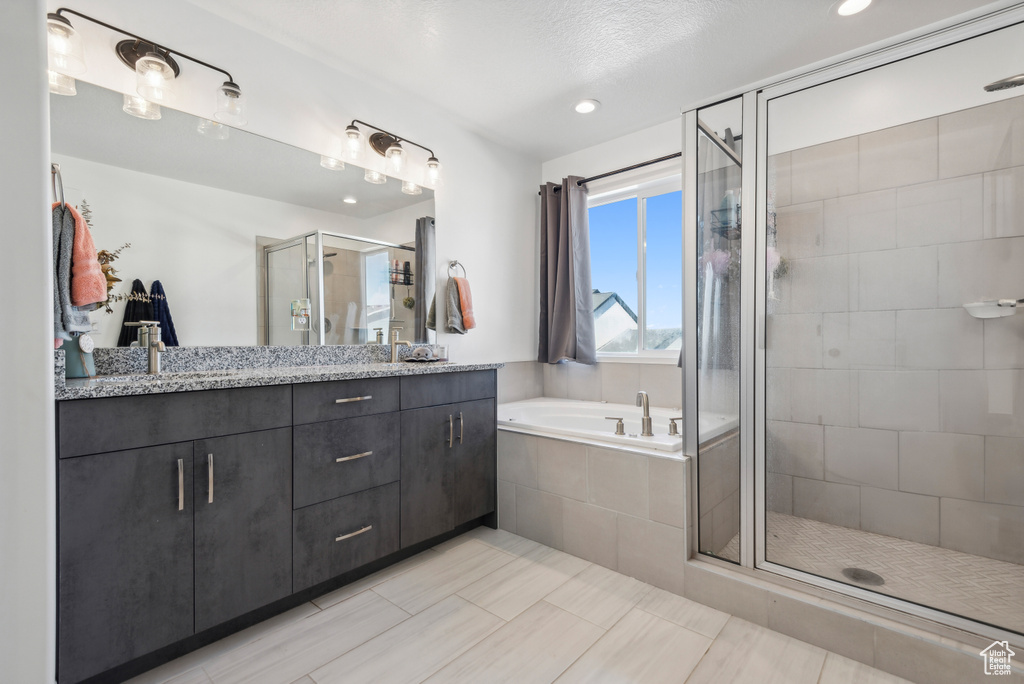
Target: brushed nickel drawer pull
x,y
181,484
451,431
351,399
209,465
352,458
352,534
460,427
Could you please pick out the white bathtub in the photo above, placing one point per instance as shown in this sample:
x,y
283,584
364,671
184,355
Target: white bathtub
x,y
586,420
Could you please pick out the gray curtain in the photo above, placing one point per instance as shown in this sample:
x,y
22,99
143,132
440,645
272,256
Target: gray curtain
x,y
426,278
566,298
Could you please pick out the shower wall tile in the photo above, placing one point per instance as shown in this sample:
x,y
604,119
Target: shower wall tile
x,y
859,340
719,472
1004,203
862,456
779,494
898,279
899,156
824,171
985,269
725,521
942,464
985,529
780,175
796,449
982,139
837,504
1004,470
943,211
899,400
778,392
860,223
983,402
583,381
938,338
819,284
620,382
1004,342
824,397
794,341
899,514
799,230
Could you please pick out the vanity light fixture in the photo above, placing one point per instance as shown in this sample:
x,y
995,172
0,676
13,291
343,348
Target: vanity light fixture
x,y
154,66
851,7
586,106
331,163
389,146
375,177
410,188
213,129
142,108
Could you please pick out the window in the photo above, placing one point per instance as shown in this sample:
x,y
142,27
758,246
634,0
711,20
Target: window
x,y
636,263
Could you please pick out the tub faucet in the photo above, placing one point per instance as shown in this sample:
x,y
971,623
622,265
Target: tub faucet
x,y
641,400
396,343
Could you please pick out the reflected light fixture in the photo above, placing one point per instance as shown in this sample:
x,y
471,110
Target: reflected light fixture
x,y
850,7
64,54
141,107
230,104
375,177
349,200
331,163
61,84
213,130
586,106
410,188
389,146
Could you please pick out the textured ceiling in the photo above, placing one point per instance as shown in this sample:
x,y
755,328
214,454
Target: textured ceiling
x,y
513,70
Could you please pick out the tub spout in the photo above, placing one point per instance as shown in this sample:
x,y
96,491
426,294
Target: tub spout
x,y
643,401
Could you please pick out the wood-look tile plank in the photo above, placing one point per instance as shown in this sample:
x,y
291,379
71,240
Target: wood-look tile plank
x,y
298,649
599,595
413,650
304,680
842,670
370,581
684,612
536,647
511,589
503,540
641,647
440,577
196,676
744,653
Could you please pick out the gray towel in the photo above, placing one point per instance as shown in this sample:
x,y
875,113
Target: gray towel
x,y
74,319
454,308
58,313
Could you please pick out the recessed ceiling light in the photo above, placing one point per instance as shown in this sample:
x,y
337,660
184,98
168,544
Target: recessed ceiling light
x,y
349,200
587,106
849,7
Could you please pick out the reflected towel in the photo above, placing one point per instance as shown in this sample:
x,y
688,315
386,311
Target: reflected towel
x,y
466,304
162,314
451,302
88,284
73,319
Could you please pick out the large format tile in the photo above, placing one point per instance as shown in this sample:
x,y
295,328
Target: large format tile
x,y
513,588
798,230
840,670
942,464
667,485
860,223
535,647
982,138
824,397
838,504
618,480
819,284
641,647
599,595
652,552
898,279
1004,203
502,540
517,458
584,381
693,616
899,156
562,468
793,341
824,171
539,516
980,270
982,402
811,620
413,650
591,532
507,505
196,676
899,400
520,380
353,588
938,338
795,449
944,211
1004,342
1004,470
862,456
984,529
914,517
663,384
745,652
426,584
297,649
620,382
859,340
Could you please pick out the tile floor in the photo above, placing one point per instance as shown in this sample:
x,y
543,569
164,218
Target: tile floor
x,y
490,606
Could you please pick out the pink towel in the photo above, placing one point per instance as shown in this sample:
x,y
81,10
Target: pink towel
x,y
88,284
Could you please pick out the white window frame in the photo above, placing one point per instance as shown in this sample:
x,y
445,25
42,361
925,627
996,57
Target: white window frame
x,y
628,188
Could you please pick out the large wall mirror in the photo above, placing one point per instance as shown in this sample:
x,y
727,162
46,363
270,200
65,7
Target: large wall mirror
x,y
199,211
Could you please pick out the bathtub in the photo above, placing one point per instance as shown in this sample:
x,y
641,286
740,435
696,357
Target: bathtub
x,y
585,420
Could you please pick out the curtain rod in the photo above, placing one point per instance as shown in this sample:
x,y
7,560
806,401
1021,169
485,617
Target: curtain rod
x,y
719,143
584,181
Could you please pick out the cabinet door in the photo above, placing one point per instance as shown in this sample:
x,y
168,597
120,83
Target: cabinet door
x,y
243,538
124,556
426,473
475,463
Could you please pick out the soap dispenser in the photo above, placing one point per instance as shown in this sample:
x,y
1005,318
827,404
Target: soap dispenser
x,y
301,309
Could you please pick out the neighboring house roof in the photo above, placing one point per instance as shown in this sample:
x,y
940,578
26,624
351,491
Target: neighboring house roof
x,y
603,301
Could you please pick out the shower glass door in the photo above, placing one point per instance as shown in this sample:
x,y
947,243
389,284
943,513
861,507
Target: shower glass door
x,y
893,381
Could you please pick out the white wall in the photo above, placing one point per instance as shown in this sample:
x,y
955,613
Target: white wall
x,y
27,502
650,143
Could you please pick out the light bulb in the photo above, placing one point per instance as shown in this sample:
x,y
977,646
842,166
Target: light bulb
x,y
349,200
353,143
586,106
63,46
213,130
331,163
230,104
61,84
154,78
410,188
395,158
375,177
852,7
140,107
433,172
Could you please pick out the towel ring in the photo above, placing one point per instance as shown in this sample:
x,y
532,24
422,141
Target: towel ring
x,y
57,182
454,265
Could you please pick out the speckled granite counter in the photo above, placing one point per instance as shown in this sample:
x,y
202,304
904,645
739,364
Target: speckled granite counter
x,y
205,368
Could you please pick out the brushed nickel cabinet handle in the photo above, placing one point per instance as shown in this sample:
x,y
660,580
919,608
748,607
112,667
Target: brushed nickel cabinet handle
x,y
460,427
352,534
351,399
209,467
181,484
451,431
352,458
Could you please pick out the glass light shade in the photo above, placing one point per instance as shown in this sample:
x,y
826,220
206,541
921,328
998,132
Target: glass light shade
x,y
140,107
375,177
230,104
61,84
410,188
154,78
63,46
213,130
433,172
395,158
331,163
353,143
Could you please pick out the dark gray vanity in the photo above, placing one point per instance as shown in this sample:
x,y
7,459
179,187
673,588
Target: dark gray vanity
x,y
187,515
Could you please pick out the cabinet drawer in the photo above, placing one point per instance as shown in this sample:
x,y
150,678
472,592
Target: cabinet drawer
x,y
340,457
320,401
93,426
336,536
447,388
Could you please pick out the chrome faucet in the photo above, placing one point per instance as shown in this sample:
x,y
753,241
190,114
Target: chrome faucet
x,y
396,343
149,339
641,400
